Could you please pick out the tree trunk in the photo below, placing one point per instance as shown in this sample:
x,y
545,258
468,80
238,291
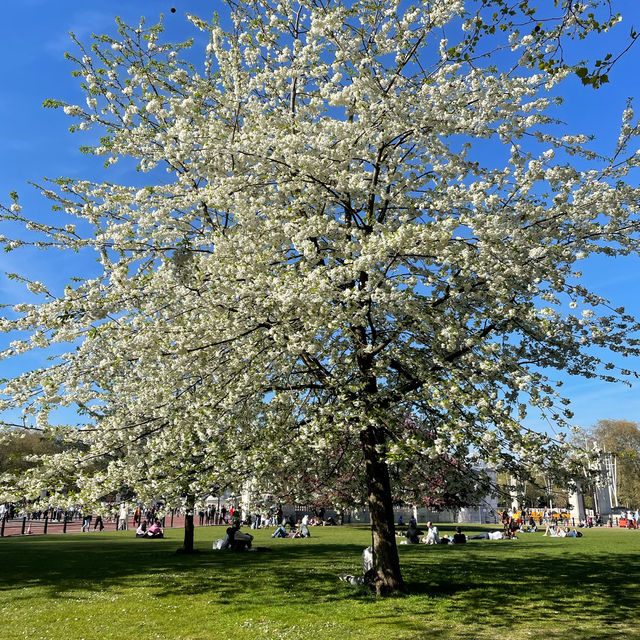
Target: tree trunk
x,y
387,576
187,546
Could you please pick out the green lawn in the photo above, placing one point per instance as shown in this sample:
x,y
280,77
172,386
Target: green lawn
x,y
110,585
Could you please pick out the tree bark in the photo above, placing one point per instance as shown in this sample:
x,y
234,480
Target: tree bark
x,y
187,546
387,576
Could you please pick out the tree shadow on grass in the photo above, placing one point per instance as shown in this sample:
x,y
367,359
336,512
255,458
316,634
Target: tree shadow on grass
x,y
495,580
577,584
70,566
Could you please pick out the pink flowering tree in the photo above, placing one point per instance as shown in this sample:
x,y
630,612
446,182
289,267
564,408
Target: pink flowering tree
x,y
335,479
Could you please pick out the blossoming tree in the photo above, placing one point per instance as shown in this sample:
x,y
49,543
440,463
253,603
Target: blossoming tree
x,y
367,212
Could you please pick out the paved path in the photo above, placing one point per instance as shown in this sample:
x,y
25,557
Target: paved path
x,y
14,527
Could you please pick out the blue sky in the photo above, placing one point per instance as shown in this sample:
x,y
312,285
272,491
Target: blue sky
x,y
34,142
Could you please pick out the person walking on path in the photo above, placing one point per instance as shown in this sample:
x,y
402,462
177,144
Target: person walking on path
x,y
123,516
98,522
86,522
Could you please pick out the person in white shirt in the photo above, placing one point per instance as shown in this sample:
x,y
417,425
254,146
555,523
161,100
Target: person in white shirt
x,y
432,536
492,535
123,516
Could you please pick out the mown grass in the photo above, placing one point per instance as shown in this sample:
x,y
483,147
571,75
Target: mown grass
x,y
110,585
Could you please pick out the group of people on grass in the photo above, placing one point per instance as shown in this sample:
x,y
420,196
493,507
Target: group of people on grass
x,y
554,531
432,536
237,540
299,529
154,530
414,535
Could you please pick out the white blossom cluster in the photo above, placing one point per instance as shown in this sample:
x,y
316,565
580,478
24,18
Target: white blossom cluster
x,y
324,253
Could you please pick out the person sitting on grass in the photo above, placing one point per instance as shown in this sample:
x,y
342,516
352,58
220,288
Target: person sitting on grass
x,y
302,531
238,540
432,536
141,531
280,532
413,533
459,537
155,530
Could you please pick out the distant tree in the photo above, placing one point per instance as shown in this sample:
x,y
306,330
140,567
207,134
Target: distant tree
x,y
621,438
21,450
537,491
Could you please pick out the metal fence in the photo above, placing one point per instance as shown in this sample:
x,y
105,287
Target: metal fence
x,y
69,523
